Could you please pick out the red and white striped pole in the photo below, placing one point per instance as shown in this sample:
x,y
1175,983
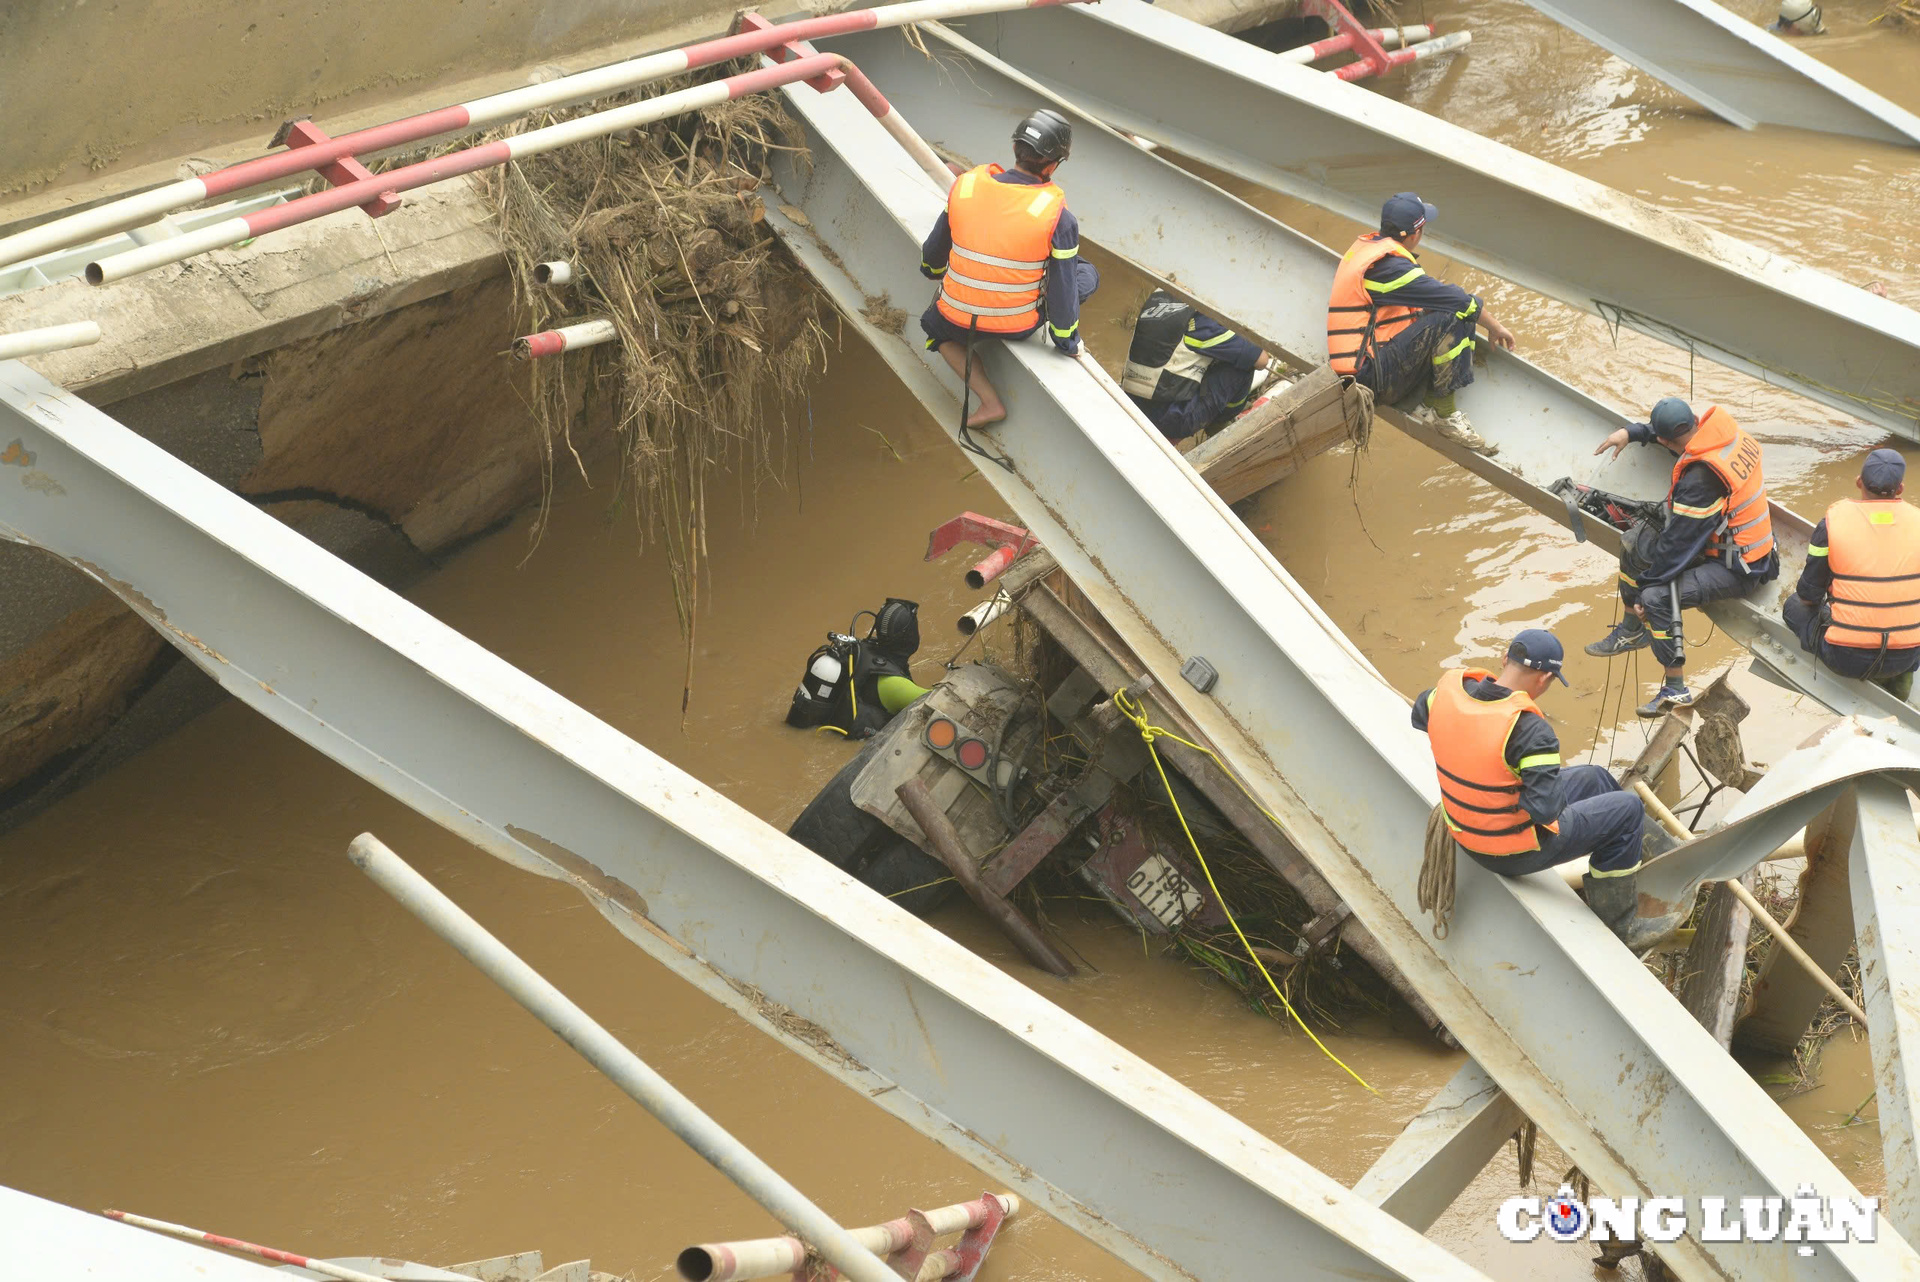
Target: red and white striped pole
x,y
1389,38
246,1248
479,113
1413,53
552,342
231,231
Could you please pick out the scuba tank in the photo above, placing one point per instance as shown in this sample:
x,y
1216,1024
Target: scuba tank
x,y
841,685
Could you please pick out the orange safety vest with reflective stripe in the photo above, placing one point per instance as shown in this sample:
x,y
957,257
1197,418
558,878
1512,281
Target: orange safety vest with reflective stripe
x,y
1002,238
1357,322
1479,791
1724,446
1873,549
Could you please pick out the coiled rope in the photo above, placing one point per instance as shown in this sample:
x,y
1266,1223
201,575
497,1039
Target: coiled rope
x,y
1436,872
1135,711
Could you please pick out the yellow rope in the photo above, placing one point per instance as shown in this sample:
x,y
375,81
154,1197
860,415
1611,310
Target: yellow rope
x,y
1136,712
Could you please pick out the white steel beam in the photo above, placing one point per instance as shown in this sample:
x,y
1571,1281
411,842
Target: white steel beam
x,y
1582,1037
1737,70
49,1242
1245,111
881,1001
1443,1148
1884,871
1240,264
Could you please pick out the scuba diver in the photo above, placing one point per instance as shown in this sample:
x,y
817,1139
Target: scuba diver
x,y
855,685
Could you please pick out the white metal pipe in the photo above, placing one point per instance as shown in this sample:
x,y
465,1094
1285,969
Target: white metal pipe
x,y
1389,38
49,338
621,1066
774,1256
551,342
102,220
984,613
175,249
556,273
326,1268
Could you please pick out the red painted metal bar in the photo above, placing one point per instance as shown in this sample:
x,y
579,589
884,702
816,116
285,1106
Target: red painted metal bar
x,y
1360,38
1412,53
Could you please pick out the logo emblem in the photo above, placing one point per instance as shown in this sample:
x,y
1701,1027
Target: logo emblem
x,y
1566,1216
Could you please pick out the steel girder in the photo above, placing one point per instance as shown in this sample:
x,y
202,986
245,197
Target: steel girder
x,y
1570,1024
53,1243
883,1002
1238,262
1741,72
1884,876
1442,1149
1309,135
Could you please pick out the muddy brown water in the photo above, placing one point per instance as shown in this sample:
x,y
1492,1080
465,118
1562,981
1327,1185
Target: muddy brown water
x,y
208,1016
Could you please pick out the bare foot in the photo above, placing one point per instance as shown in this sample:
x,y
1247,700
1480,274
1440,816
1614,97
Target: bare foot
x,y
987,415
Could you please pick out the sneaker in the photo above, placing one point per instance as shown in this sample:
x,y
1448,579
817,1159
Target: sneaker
x,y
1628,634
1671,694
1455,427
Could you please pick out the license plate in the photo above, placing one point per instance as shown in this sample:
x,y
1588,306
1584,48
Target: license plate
x,y
1163,892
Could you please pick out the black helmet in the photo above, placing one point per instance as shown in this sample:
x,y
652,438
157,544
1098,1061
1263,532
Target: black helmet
x,y
1046,133
896,628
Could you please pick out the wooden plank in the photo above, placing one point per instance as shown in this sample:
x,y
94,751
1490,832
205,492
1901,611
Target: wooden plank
x,y
1716,962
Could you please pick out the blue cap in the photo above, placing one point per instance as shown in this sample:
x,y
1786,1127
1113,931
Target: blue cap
x,y
1405,214
1540,650
1884,471
1671,417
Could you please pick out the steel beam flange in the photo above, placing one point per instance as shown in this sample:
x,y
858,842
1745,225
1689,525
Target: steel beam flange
x,y
1571,1025
1884,872
1733,68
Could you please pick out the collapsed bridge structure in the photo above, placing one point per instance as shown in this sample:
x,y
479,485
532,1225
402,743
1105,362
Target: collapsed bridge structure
x,y
1575,1032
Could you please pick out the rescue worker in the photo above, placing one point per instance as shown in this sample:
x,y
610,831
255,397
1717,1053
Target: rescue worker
x,y
1399,331
1717,541
1005,250
1508,801
1185,370
1857,605
855,685
1799,18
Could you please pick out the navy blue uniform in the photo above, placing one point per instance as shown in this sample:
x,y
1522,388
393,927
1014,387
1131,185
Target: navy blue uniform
x,y
1595,816
1070,279
1224,388
1435,352
1698,510
1809,609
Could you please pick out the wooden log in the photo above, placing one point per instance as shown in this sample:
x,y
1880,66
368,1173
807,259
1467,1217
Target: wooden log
x,y
1716,962
949,850
1785,997
1272,441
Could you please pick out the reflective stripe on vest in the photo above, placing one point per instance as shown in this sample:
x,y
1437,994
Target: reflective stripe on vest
x,y
1357,322
1160,366
1873,549
1479,791
1724,446
1002,238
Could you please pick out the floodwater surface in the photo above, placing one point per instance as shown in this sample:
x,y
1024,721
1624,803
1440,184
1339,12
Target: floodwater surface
x,y
210,1017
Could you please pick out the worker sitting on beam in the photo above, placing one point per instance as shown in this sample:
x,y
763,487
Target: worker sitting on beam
x,y
1508,801
1401,332
1186,371
1717,541
1857,605
1005,249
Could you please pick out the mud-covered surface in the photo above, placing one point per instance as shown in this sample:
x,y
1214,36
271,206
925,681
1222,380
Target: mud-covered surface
x,y
117,84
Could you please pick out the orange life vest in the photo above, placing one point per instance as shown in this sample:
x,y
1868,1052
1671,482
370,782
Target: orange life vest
x,y
1724,446
1357,322
1002,238
1479,791
1873,549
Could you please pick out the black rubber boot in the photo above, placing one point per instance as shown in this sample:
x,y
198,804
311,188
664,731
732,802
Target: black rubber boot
x,y
1614,900
1899,687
